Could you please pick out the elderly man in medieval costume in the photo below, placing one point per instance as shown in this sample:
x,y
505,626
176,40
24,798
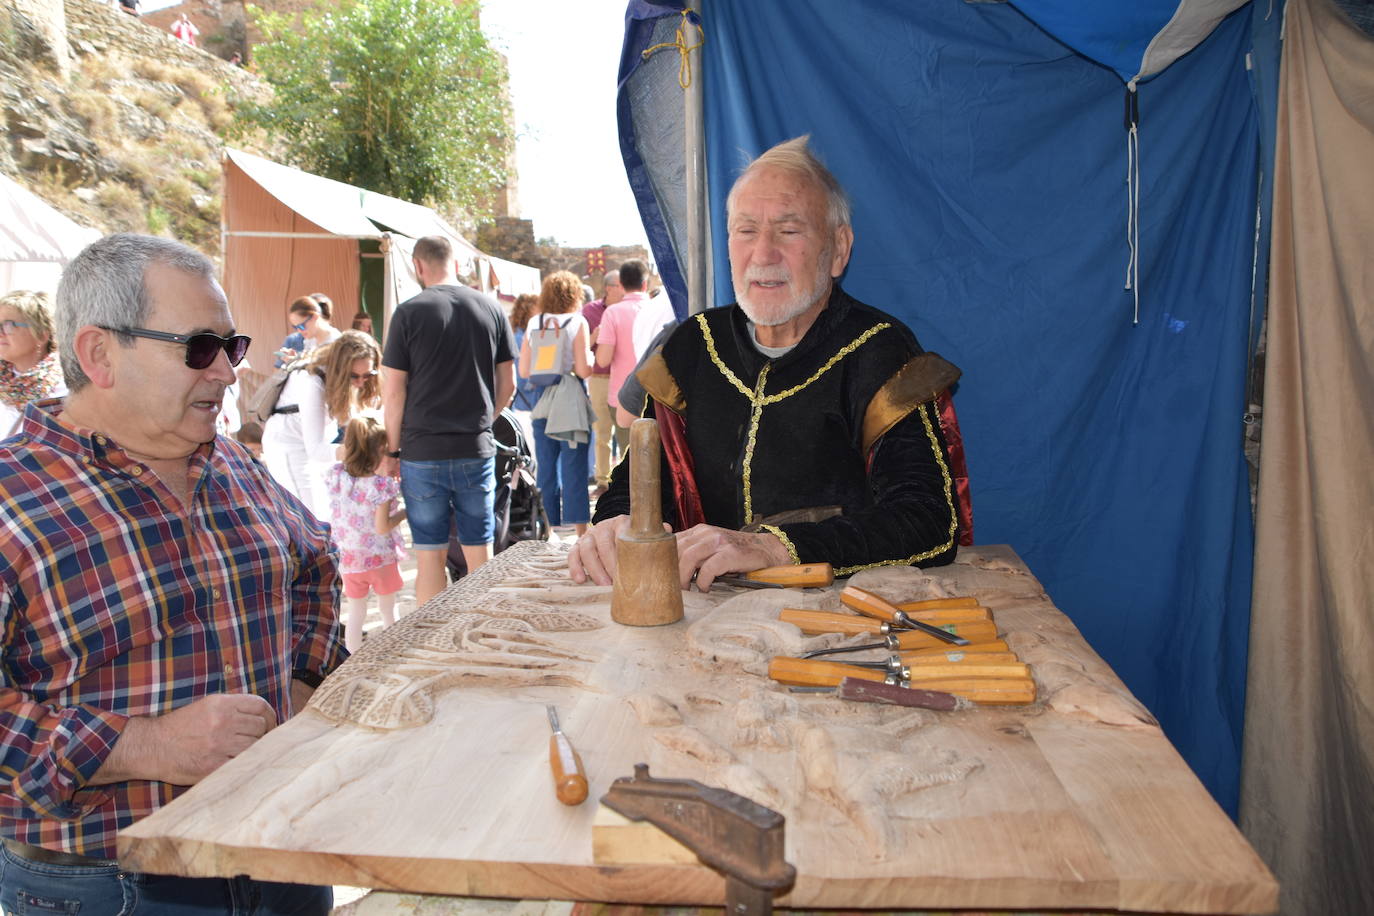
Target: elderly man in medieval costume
x,y
799,425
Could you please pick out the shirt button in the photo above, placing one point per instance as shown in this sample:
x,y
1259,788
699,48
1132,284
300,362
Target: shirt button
x,y
100,439
136,471
215,594
228,670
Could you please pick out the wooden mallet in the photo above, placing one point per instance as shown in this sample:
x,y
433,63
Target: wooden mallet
x,y
647,592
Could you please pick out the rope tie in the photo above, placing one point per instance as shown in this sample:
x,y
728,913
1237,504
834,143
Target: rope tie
x,y
1133,196
684,50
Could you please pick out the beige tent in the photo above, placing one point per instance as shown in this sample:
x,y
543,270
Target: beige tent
x,y
287,233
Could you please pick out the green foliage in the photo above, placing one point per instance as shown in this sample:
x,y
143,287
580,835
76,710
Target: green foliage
x,y
403,97
158,220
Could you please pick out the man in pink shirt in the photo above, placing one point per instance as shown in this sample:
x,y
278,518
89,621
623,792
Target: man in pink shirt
x,y
615,341
599,381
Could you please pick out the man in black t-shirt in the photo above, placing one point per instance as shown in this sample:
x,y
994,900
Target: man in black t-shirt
x,y
449,370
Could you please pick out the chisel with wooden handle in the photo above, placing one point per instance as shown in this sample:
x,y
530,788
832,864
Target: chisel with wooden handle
x,y
876,606
976,632
803,575
937,604
990,647
569,779
972,654
985,691
898,640
963,656
816,622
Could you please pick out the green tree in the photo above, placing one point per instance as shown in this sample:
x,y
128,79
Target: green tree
x,y
403,97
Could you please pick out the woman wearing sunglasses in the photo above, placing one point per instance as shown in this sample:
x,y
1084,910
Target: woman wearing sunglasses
x,y
29,370
298,440
310,327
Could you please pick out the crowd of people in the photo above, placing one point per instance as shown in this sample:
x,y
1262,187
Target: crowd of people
x,y
324,440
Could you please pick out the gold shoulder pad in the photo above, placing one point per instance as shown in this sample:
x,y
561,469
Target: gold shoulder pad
x,y
919,381
660,384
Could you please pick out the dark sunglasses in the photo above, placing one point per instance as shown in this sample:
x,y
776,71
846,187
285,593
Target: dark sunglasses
x,y
201,349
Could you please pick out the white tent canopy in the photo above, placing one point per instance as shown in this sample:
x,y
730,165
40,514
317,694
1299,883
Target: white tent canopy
x,y
36,241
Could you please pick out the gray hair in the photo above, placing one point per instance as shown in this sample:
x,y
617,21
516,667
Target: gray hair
x,y
795,156
104,285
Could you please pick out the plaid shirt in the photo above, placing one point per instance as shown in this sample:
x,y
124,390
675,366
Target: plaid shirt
x,y
115,605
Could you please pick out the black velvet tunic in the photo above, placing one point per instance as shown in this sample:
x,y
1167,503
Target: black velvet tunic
x,y
776,435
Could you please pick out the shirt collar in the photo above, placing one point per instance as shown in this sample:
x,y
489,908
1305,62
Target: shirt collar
x,y
45,425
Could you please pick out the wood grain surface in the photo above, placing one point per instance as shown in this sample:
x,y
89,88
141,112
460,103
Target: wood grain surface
x,y
422,763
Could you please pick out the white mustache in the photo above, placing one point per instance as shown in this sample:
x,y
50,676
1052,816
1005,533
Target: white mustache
x,y
765,275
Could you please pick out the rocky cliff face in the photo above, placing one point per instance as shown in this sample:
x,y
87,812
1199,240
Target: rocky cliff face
x,y
128,135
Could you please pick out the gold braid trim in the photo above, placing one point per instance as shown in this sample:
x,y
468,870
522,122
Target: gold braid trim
x,y
755,415
949,501
786,541
756,396
758,400
715,357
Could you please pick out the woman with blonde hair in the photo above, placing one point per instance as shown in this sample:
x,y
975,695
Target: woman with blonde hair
x,y
29,370
562,458
299,439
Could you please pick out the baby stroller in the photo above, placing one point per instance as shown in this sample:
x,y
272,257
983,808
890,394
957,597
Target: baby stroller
x,y
517,505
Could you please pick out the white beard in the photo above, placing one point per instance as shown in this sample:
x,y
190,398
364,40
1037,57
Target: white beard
x,y
799,302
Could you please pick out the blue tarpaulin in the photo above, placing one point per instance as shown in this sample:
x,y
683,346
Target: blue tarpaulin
x,y
987,164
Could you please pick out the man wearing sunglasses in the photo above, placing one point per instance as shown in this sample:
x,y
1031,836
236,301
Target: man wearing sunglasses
x,y
166,602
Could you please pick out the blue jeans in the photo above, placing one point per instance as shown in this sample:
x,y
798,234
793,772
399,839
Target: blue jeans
x,y
27,888
562,478
437,491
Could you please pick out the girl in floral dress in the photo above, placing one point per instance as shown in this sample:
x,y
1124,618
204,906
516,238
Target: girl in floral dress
x,y
364,522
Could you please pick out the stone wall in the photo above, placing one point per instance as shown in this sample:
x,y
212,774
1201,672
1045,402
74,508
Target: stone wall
x,y
96,27
37,30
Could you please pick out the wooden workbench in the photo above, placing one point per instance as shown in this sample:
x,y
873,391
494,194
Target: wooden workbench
x,y
421,765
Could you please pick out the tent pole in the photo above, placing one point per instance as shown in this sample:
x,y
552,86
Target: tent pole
x,y
223,220
699,280
388,291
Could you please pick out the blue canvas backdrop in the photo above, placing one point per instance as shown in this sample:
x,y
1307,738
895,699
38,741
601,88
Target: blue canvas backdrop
x,y
987,163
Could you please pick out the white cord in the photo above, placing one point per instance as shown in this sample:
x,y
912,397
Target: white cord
x,y
1133,207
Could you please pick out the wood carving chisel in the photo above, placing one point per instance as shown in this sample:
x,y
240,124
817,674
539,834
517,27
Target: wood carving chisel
x,y
816,622
985,691
569,779
804,575
876,606
894,641
861,691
